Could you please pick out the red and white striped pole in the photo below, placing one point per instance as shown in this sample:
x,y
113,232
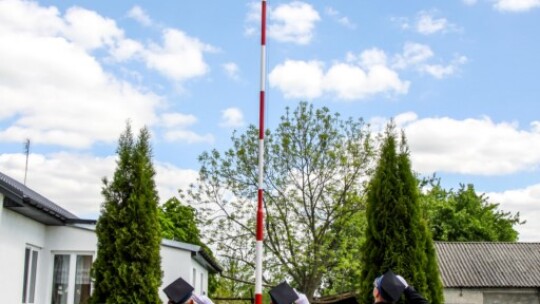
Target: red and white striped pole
x,y
260,193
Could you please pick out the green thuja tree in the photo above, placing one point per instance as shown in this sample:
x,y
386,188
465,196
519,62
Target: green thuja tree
x,y
396,236
127,268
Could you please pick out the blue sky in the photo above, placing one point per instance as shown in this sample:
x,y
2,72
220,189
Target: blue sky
x,y
460,77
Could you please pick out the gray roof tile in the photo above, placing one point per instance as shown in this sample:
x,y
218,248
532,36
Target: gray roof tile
x,y
489,264
20,190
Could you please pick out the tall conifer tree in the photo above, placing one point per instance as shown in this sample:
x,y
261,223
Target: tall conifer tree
x,y
127,268
396,236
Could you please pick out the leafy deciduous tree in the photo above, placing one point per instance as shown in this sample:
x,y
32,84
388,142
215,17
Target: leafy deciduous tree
x,y
314,166
464,215
178,222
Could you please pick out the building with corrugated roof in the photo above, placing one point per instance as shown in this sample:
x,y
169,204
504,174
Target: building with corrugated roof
x,y
490,272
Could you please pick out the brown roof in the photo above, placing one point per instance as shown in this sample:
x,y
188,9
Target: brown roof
x,y
489,264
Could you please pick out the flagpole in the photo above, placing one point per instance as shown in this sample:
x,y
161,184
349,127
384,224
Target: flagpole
x,y
260,193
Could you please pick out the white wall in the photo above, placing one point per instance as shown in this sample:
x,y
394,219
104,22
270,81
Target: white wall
x,y
463,296
200,290
62,240
178,263
490,295
17,232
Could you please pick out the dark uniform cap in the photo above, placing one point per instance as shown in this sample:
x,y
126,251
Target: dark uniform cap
x,y
178,291
283,294
390,286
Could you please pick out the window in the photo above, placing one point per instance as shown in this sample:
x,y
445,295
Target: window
x,y
60,279
194,278
29,279
202,283
82,279
71,282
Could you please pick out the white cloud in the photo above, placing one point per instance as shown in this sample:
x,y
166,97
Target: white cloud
x,y
293,22
413,54
405,118
189,137
417,56
126,49
232,117
176,125
298,79
180,57
352,82
58,95
54,91
170,178
360,77
14,17
372,57
516,5
232,70
346,22
90,30
61,95
427,24
172,120
440,71
336,15
535,126
73,181
526,201
138,14
448,145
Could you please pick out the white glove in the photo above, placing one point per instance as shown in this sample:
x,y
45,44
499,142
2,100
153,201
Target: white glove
x,y
202,299
402,280
302,298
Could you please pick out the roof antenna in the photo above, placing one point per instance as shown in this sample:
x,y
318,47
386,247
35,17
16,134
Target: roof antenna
x,y
27,152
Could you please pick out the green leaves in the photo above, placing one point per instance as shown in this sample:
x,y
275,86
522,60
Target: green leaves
x,y
127,268
397,237
178,222
464,215
314,164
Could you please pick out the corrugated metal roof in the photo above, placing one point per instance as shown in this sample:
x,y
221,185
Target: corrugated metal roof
x,y
37,200
489,264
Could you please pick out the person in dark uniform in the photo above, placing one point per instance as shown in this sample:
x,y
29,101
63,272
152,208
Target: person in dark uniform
x,y
180,292
389,287
285,294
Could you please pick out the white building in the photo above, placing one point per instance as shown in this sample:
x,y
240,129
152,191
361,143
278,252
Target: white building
x,y
46,252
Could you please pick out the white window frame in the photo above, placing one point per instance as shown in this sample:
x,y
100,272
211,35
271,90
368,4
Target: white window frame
x,y
194,278
201,283
72,272
31,274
